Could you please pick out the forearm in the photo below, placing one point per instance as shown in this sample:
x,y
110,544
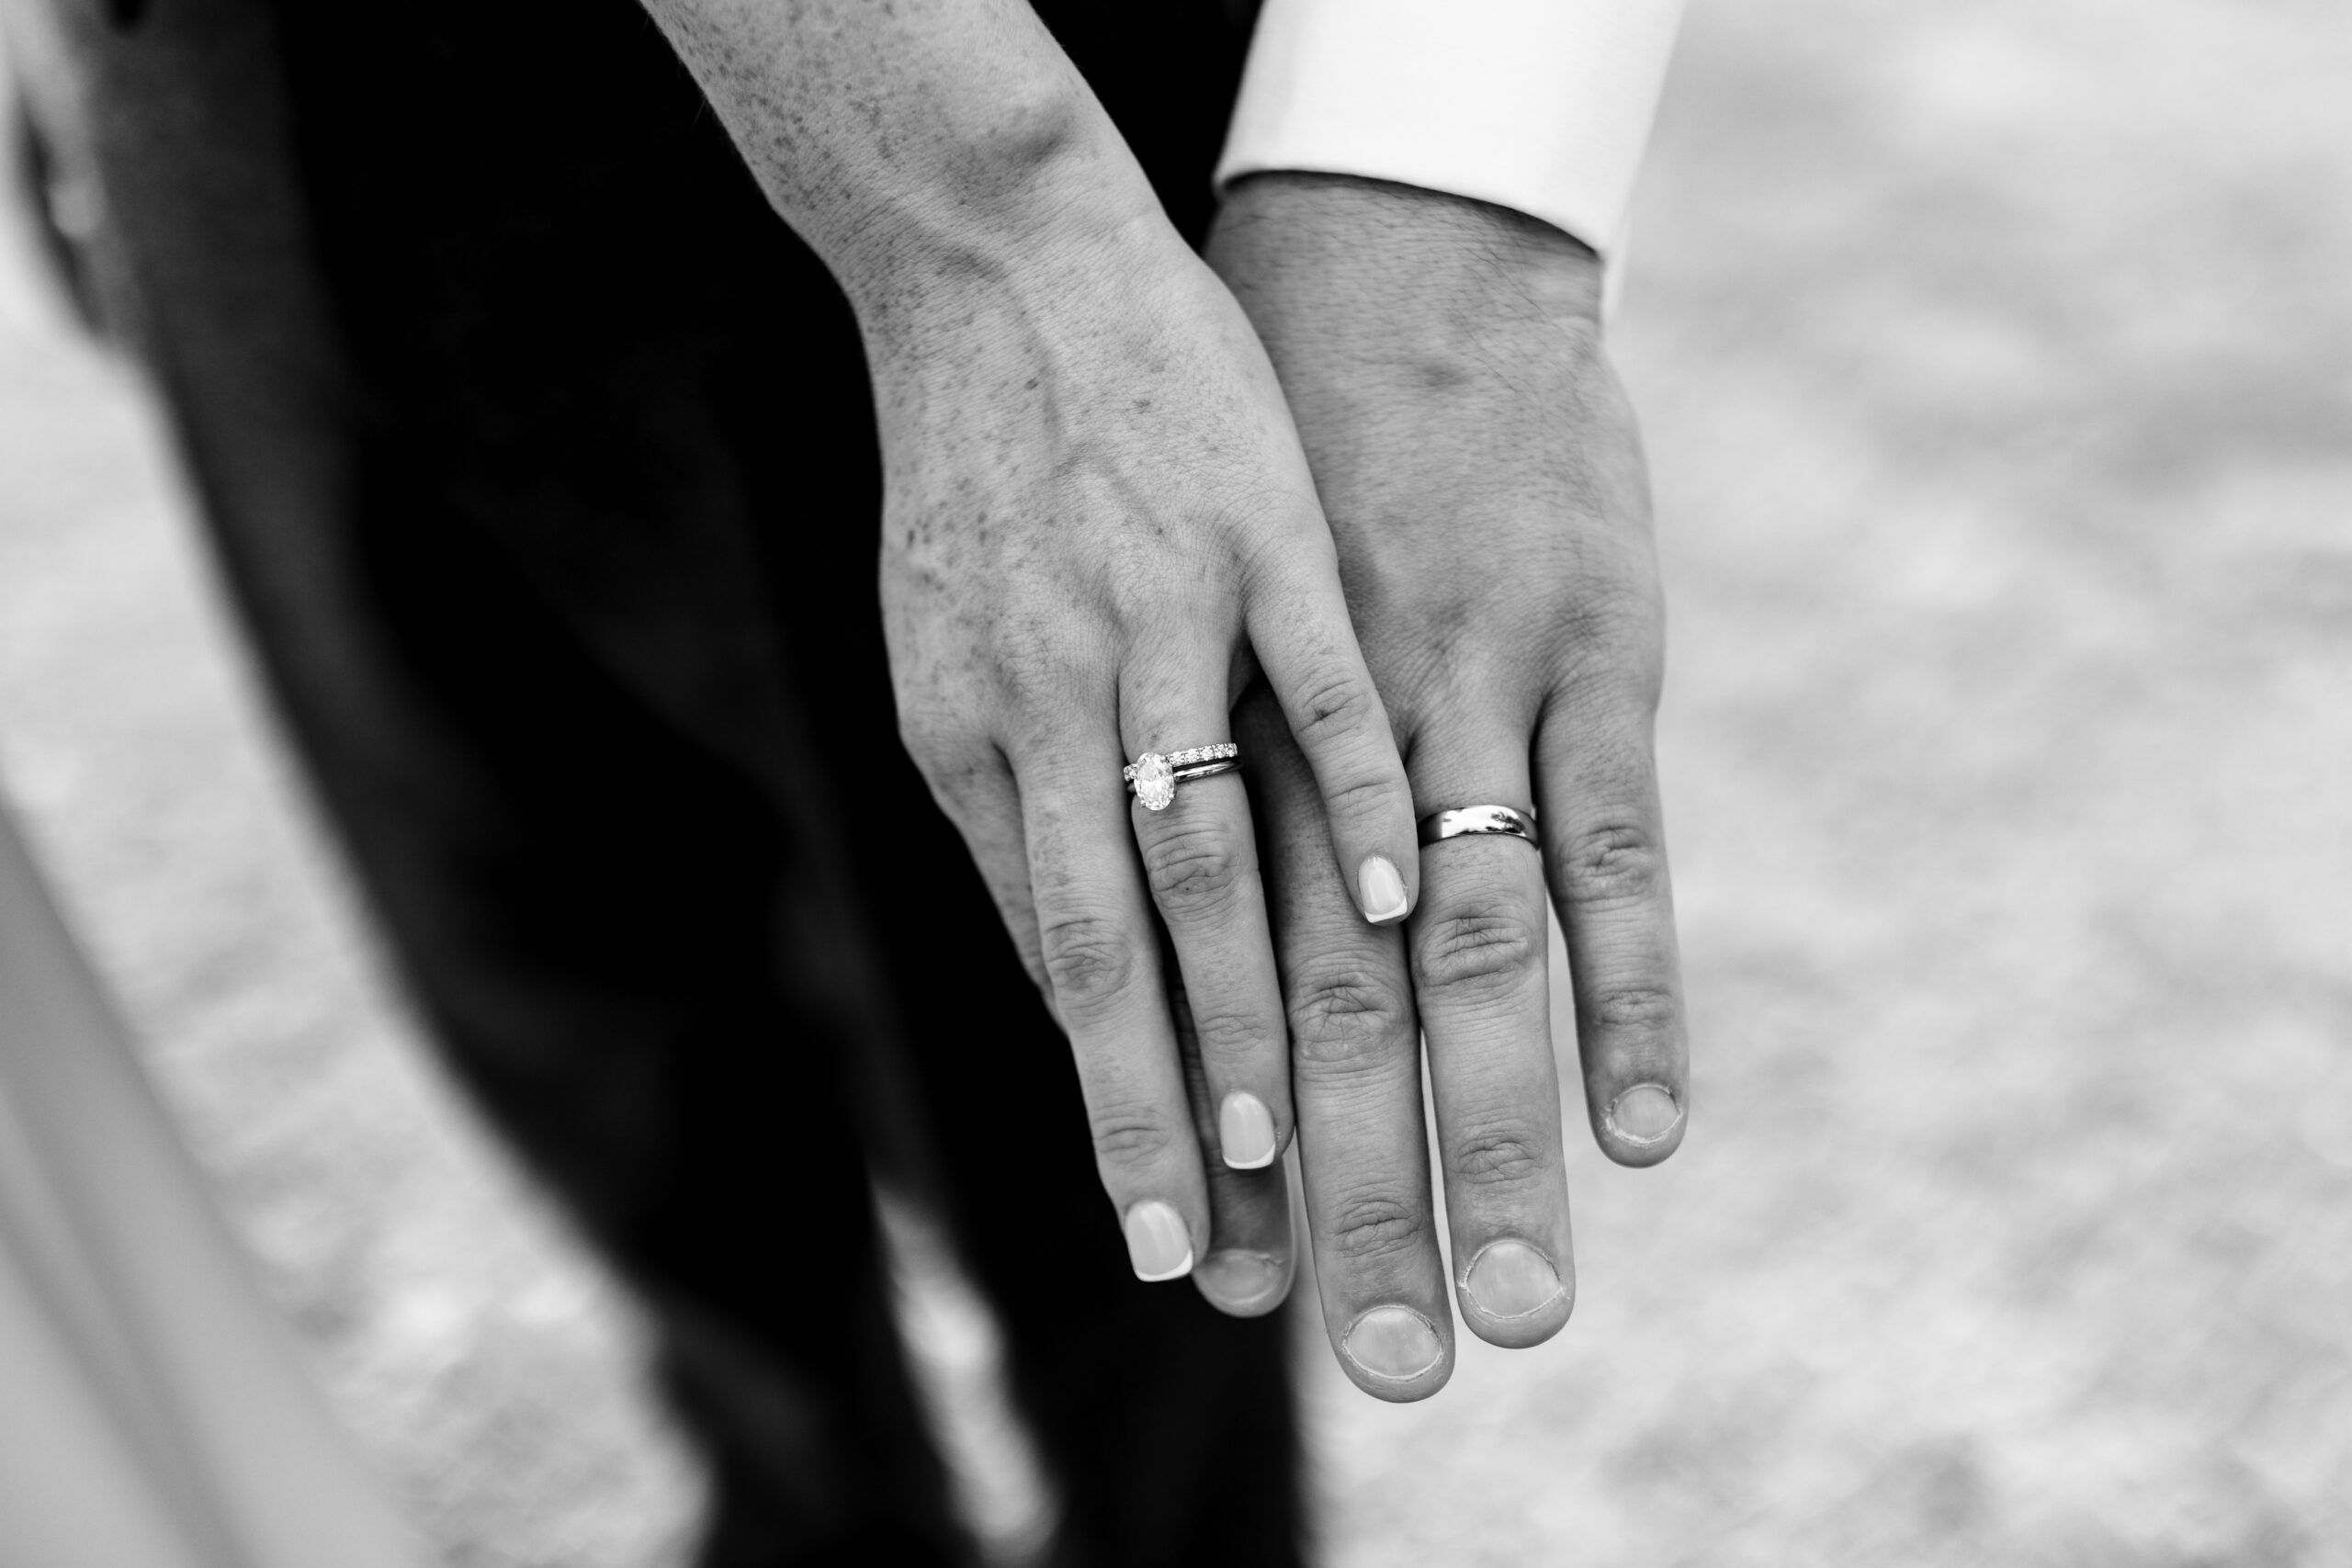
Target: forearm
x,y
918,146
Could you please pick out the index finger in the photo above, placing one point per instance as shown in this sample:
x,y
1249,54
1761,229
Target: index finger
x,y
1356,1091
1299,629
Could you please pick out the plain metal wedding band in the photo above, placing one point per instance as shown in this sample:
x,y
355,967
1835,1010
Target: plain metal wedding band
x,y
1480,821
1152,778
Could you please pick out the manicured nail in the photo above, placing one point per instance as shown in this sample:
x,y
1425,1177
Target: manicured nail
x,y
1511,1280
1157,1244
1382,889
1644,1113
1394,1342
1244,1283
1245,1132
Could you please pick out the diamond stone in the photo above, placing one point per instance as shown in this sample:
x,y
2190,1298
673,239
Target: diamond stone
x,y
1155,782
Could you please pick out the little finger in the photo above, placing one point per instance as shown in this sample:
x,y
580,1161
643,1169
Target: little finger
x,y
1605,853
1252,1256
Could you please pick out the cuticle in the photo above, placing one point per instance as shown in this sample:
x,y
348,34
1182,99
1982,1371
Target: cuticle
x,y
1609,1117
1282,1279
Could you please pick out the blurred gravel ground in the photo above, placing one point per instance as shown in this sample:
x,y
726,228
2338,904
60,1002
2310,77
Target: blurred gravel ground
x,y
1996,363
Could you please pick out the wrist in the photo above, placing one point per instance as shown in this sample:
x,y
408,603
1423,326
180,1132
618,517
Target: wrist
x,y
1428,272
1043,189
1082,278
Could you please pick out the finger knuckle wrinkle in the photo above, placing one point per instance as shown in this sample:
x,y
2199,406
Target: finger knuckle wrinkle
x,y
1130,1138
1225,1035
1369,1226
1498,1159
1088,958
1474,952
1615,862
1645,1007
1326,703
1343,1017
1362,797
1192,870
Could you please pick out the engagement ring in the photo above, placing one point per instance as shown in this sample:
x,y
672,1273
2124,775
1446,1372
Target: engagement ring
x,y
1152,778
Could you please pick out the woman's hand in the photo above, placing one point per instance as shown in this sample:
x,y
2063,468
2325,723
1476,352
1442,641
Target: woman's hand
x,y
1485,485
1097,527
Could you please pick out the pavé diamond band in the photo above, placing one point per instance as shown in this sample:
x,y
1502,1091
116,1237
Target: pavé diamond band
x,y
1152,778
1466,821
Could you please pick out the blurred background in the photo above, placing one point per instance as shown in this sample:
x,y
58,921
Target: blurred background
x,y
1996,366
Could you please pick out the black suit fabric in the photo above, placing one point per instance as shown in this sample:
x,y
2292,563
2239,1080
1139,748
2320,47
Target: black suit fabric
x,y
541,460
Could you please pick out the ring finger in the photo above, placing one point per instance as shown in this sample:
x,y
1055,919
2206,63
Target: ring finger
x,y
1101,957
1200,858
1480,981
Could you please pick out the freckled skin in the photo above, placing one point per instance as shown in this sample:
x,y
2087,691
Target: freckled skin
x,y
1101,523
1099,529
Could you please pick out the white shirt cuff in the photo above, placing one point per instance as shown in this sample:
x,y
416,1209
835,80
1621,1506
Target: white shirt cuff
x,y
1542,106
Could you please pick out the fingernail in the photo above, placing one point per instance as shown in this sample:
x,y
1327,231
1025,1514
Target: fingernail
x,y
1394,1342
1644,1113
1157,1244
1511,1280
1242,1281
1245,1132
1382,889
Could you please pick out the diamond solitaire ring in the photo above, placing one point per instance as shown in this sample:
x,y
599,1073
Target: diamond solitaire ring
x,y
1152,778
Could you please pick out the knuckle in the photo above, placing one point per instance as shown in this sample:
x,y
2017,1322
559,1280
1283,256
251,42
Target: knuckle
x,y
1362,798
1344,1016
1498,1158
1369,1226
1088,958
1225,1035
1132,1136
1645,1006
1617,862
1615,643
961,779
938,742
1194,869
1036,675
1328,703
1474,954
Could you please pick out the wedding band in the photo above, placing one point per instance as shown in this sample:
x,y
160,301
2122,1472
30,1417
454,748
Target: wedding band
x,y
1468,821
1152,778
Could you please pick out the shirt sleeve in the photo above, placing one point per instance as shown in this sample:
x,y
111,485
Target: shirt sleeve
x,y
1542,106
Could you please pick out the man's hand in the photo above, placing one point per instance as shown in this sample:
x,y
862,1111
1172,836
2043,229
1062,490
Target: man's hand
x,y
1484,481
1098,528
